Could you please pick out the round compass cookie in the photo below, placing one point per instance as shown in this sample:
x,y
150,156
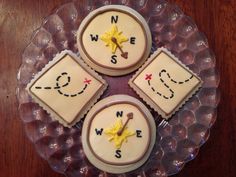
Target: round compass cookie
x,y
118,134
114,40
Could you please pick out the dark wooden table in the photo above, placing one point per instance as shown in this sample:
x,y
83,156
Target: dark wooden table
x,y
19,18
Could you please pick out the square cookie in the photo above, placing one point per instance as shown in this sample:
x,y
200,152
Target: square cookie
x,y
164,83
66,88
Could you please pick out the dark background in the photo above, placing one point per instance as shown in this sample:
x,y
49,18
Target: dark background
x,y
19,18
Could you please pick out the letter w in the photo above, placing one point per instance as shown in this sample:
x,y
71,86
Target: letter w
x,y
94,38
99,132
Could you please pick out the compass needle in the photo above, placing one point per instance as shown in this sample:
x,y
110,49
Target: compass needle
x,y
123,54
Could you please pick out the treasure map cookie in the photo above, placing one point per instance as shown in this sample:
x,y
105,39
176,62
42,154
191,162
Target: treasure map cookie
x,y
164,83
114,40
118,134
66,88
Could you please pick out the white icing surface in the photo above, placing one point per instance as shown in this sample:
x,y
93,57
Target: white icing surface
x,y
133,149
173,85
66,107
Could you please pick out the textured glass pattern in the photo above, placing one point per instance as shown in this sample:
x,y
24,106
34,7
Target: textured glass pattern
x,y
177,142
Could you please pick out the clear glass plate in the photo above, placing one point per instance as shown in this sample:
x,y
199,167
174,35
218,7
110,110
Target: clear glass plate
x,y
177,143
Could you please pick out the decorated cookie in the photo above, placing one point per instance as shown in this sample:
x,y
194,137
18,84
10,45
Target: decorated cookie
x,y
66,88
118,134
164,83
114,40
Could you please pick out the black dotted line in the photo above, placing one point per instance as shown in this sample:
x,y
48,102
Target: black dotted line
x,y
160,94
73,95
167,86
174,81
58,87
